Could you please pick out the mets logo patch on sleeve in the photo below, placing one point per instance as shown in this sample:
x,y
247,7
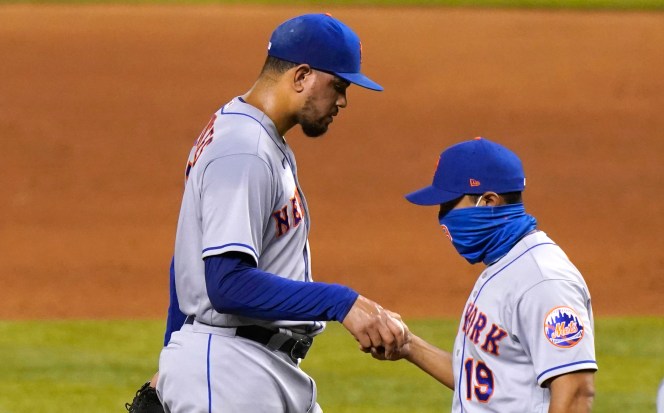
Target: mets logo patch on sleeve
x,y
563,327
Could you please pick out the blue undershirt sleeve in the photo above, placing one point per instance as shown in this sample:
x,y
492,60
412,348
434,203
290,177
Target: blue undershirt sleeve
x,y
175,318
236,286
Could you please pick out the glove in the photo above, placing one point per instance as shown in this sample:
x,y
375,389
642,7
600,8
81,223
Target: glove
x,y
145,401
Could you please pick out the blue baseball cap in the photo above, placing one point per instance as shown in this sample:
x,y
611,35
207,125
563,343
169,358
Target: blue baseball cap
x,y
472,167
322,42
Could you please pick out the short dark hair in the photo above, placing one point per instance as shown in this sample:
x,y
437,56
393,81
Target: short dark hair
x,y
512,197
508,197
276,65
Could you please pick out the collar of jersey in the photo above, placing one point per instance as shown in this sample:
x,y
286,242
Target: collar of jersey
x,y
240,107
523,244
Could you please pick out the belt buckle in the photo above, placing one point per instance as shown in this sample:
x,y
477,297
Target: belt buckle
x,y
301,347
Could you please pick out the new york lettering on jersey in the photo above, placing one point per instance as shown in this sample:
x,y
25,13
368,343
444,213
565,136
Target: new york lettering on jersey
x,y
479,378
203,140
252,205
289,216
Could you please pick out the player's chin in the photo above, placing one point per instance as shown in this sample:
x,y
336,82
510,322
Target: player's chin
x,y
314,130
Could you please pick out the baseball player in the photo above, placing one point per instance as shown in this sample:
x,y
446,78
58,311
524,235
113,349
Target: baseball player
x,y
242,264
525,341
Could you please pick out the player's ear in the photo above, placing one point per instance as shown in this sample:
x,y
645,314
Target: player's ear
x,y
492,199
301,74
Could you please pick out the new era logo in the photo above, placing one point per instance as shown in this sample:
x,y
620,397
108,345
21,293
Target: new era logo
x,y
474,182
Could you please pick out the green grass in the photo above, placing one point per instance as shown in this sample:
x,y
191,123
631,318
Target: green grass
x,y
547,4
65,366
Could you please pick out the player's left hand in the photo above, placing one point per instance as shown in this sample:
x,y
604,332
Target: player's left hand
x,y
145,401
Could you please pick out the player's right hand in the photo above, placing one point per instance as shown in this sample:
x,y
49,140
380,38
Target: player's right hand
x,y
379,353
374,327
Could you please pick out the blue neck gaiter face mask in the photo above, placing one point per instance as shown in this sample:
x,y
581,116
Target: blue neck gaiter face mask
x,y
487,233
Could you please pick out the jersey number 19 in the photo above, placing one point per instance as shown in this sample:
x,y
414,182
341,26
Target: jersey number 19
x,y
483,386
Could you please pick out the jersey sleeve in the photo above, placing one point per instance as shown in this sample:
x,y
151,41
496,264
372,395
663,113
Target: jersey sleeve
x,y
555,326
236,287
236,194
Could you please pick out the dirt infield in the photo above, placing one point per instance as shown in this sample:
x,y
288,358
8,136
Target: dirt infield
x,y
99,106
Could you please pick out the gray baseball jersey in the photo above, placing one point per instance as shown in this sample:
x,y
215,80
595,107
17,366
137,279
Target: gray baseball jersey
x,y
528,319
241,194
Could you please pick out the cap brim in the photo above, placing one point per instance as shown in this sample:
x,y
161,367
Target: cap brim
x,y
431,195
360,80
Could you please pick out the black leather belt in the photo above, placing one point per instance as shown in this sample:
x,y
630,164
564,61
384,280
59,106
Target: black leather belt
x,y
296,348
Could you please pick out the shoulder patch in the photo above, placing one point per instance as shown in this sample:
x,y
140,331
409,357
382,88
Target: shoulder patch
x,y
563,327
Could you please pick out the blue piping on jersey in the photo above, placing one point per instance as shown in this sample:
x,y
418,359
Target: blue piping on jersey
x,y
463,352
208,374
566,365
306,263
229,245
305,254
286,157
297,185
262,126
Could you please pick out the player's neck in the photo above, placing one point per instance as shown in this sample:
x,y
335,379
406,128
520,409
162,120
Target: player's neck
x,y
267,99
